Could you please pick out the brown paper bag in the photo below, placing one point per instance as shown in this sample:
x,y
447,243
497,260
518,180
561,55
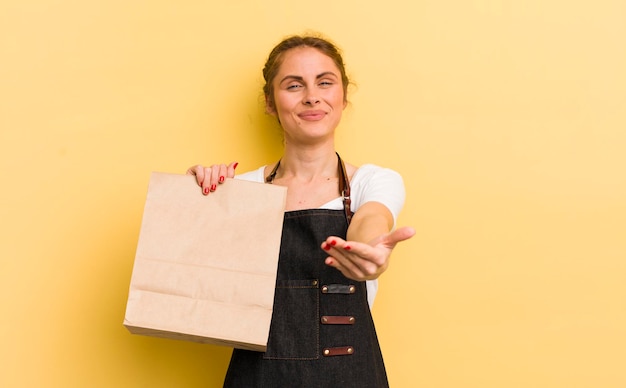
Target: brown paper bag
x,y
205,266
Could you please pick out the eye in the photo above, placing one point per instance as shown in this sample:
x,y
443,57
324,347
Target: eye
x,y
326,83
294,86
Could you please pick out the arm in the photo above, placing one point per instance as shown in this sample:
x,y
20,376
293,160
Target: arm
x,y
365,255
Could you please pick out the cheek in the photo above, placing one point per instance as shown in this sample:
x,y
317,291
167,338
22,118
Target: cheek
x,y
284,102
339,99
281,111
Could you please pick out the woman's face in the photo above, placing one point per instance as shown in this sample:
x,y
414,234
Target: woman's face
x,y
308,95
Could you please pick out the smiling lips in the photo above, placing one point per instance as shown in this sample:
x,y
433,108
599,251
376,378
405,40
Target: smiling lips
x,y
312,115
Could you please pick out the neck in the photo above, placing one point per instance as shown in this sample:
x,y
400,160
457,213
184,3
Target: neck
x,y
308,164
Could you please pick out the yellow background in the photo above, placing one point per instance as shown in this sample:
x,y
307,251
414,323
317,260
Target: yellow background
x,y
507,120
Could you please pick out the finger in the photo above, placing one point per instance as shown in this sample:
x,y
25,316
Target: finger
x,y
333,241
222,172
398,235
349,258
214,177
231,170
338,245
344,247
346,267
206,181
198,172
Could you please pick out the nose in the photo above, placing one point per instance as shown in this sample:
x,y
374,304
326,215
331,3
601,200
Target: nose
x,y
310,99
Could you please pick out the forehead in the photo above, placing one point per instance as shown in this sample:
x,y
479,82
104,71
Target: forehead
x,y
306,60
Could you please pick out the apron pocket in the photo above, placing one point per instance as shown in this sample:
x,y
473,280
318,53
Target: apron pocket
x,y
294,331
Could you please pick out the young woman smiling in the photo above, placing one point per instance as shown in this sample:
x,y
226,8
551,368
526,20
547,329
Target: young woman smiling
x,y
338,232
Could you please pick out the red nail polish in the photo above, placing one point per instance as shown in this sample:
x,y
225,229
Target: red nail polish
x,y
213,187
221,179
333,242
326,247
206,190
235,165
347,247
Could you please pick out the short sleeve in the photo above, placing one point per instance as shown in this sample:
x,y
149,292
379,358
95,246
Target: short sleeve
x,y
253,176
379,184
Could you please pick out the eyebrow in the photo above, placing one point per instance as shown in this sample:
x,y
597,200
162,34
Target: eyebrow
x,y
299,78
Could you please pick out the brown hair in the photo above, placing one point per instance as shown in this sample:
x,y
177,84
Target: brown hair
x,y
274,61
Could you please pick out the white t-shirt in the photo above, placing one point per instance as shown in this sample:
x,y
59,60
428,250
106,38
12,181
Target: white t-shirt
x,y
369,183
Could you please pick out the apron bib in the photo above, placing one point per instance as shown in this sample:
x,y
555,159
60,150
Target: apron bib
x,y
322,333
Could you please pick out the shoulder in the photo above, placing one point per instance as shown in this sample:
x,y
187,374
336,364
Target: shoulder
x,y
367,172
257,175
375,183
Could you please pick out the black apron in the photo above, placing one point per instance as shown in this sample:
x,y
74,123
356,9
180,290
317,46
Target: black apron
x,y
322,333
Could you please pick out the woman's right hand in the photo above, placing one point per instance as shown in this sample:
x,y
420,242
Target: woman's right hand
x,y
210,177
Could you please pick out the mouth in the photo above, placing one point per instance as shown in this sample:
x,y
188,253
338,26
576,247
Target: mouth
x,y
312,115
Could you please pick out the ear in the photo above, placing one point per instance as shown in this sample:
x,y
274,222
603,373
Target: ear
x,y
269,106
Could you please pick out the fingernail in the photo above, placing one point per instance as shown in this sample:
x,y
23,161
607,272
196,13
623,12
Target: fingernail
x,y
221,179
206,190
347,247
213,187
326,247
235,165
333,242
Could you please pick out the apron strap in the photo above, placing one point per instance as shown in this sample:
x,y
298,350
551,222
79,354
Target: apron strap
x,y
344,185
270,178
344,189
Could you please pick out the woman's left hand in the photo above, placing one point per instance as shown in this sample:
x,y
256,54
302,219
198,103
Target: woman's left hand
x,y
364,261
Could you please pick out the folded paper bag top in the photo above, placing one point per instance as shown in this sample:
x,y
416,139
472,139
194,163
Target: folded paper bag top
x,y
205,266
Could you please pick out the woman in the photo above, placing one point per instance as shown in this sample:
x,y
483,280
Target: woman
x,y
336,234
